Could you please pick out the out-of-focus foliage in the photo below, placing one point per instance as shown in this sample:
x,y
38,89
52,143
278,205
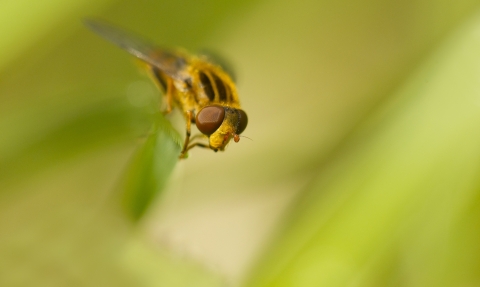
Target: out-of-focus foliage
x,y
362,171
398,206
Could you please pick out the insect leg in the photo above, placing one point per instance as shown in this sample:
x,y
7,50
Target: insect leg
x,y
169,95
188,119
197,136
199,144
164,84
203,145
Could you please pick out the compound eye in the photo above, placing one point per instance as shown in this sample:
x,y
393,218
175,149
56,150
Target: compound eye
x,y
242,121
209,119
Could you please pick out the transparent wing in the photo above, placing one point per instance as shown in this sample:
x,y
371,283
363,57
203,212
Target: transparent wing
x,y
169,63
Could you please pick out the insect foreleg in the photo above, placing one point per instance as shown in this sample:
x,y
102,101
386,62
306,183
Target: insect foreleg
x,y
188,120
183,154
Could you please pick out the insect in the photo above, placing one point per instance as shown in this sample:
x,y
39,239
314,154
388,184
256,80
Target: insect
x,y
204,92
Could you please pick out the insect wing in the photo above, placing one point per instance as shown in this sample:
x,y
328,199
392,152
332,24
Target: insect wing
x,y
169,63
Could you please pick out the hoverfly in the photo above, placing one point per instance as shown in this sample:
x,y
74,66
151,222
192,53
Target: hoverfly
x,y
203,91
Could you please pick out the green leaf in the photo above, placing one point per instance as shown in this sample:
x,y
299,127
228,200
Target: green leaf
x,y
151,168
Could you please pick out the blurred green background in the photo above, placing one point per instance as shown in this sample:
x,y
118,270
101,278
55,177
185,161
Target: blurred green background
x,y
363,168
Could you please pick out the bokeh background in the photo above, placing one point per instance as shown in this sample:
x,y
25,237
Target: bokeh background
x,y
363,169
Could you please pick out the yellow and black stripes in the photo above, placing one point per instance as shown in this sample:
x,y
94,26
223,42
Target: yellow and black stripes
x,y
215,89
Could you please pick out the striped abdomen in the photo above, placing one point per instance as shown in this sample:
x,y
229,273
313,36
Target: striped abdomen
x,y
215,88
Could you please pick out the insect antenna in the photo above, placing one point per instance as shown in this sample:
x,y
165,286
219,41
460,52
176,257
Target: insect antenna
x,y
245,137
